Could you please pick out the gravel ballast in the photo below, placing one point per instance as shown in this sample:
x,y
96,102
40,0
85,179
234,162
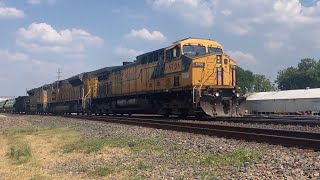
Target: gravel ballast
x,y
185,155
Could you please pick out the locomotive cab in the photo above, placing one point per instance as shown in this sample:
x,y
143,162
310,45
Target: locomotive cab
x,y
213,78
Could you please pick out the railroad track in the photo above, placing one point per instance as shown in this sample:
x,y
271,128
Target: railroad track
x,y
276,121
307,140
305,121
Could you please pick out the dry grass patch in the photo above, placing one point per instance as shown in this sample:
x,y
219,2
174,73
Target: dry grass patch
x,y
26,152
20,153
59,153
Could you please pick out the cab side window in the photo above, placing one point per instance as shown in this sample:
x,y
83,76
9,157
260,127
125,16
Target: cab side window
x,y
173,53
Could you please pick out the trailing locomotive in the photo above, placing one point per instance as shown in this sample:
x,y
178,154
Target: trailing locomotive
x,y
190,77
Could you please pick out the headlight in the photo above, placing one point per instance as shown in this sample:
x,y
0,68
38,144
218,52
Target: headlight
x,y
234,91
217,94
238,95
218,59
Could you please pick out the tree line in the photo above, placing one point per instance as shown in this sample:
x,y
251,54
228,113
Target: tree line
x,y
306,74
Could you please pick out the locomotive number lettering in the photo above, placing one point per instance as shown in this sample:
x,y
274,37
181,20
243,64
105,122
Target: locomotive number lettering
x,y
173,67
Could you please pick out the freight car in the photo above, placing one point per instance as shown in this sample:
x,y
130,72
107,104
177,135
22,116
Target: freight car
x,y
15,105
289,102
190,77
2,103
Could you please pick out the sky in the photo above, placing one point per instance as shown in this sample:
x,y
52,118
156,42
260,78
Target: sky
x,y
40,36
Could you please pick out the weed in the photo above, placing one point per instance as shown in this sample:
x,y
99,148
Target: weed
x,y
38,177
143,166
137,178
95,145
19,130
28,129
85,145
54,126
236,157
102,171
20,153
186,155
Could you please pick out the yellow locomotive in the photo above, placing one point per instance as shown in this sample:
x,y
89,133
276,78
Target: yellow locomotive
x,y
190,77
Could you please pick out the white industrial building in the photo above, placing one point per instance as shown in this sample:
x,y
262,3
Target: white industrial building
x,y
299,101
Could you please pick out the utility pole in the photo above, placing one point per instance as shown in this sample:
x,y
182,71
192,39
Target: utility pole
x,y
59,77
59,74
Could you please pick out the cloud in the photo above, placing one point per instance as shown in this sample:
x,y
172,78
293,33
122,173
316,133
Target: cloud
x,y
226,12
36,2
197,12
273,45
25,71
145,34
293,13
127,53
242,57
11,12
43,38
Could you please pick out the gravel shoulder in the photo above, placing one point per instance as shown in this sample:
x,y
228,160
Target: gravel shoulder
x,y
131,152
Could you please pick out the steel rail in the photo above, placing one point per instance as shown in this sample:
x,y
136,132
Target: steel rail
x,y
280,121
299,139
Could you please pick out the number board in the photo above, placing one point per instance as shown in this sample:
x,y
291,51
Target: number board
x,y
174,66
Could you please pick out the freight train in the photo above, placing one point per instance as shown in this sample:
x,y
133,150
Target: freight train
x,y
191,77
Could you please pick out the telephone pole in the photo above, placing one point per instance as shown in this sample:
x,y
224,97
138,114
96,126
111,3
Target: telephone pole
x,y
59,74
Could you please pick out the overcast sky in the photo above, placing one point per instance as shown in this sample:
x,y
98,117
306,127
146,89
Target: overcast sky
x,y
40,36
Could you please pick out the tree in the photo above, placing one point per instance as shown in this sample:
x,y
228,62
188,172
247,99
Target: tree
x,y
245,80
262,84
250,82
306,74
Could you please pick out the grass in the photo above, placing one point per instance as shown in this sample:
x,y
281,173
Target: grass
x,y
85,145
38,177
20,153
144,166
237,157
19,130
89,146
31,130
102,171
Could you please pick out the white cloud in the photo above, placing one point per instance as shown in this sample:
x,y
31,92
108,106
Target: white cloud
x,y
226,12
42,37
147,35
36,2
127,53
273,45
238,29
25,71
11,12
242,57
197,12
239,17
292,12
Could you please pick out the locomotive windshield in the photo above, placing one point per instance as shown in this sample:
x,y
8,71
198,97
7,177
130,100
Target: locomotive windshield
x,y
194,49
215,50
